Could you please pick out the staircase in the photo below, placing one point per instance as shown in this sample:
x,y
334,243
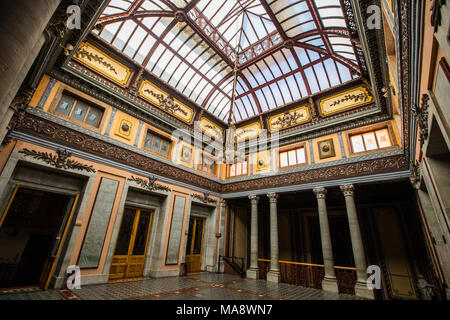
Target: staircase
x,y
232,265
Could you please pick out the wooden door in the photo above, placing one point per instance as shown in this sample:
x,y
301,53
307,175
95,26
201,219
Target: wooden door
x,y
194,247
131,246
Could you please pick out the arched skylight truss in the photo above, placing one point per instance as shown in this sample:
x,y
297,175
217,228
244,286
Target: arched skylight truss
x,y
286,49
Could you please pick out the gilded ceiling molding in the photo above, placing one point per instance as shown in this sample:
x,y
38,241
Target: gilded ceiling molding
x,y
60,160
151,184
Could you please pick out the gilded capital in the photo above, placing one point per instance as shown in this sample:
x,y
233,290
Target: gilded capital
x,y
272,197
320,192
348,190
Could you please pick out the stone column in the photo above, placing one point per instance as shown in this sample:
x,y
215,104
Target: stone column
x,y
221,235
357,244
253,270
329,283
274,273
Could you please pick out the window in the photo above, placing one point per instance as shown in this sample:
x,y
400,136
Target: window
x,y
157,144
292,157
79,111
370,141
238,169
207,164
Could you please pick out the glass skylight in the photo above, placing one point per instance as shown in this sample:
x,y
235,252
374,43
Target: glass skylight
x,y
286,49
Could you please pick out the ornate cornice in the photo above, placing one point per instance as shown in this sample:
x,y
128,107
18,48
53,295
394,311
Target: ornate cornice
x,y
66,136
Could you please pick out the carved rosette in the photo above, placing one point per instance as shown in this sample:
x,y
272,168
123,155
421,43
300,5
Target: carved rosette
x,y
320,192
348,190
253,199
272,197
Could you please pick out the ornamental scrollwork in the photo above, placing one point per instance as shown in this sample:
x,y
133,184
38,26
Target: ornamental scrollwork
x,y
168,103
60,160
421,115
415,175
82,53
363,96
151,184
205,198
287,120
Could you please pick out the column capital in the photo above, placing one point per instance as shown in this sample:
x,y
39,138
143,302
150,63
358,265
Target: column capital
x,y
320,192
272,197
348,190
223,202
254,199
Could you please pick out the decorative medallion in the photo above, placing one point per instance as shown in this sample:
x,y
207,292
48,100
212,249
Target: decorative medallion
x,y
60,160
289,118
211,129
151,184
326,149
345,100
249,131
165,101
95,59
124,128
205,198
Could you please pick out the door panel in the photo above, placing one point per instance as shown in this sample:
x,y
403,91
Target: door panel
x,y
194,248
129,255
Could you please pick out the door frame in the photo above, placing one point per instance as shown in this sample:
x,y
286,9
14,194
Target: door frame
x,y
202,243
133,235
51,262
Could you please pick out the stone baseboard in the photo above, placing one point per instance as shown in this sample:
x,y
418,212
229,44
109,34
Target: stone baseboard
x,y
330,285
252,274
362,291
274,276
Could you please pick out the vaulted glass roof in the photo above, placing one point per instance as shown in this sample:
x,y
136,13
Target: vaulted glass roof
x,y
284,50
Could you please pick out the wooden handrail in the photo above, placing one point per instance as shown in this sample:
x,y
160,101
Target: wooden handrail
x,y
308,264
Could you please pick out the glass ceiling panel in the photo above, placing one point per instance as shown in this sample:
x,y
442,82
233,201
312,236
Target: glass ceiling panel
x,y
195,54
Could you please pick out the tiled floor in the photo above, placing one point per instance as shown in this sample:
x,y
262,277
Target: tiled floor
x,y
203,286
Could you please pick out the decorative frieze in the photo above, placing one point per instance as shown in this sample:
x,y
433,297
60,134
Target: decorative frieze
x,y
60,160
249,131
211,129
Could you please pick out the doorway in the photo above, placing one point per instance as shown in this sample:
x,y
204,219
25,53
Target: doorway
x,y
194,248
131,246
32,231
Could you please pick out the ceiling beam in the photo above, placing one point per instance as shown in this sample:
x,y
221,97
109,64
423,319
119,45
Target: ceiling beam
x,y
274,19
143,14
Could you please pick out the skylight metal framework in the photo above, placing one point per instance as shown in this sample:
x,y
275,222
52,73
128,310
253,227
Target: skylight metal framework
x,y
286,49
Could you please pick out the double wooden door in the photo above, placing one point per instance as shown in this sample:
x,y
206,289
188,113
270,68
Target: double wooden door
x,y
194,247
131,246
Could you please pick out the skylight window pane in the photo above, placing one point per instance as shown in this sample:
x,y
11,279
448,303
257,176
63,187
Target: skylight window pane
x,y
110,30
330,12
344,73
277,94
265,70
185,79
312,80
162,63
291,84
322,76
313,55
257,75
145,48
262,100
179,73
282,62
124,34
135,42
301,84
285,90
149,22
161,25
328,23
332,72
171,68
302,56
269,97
